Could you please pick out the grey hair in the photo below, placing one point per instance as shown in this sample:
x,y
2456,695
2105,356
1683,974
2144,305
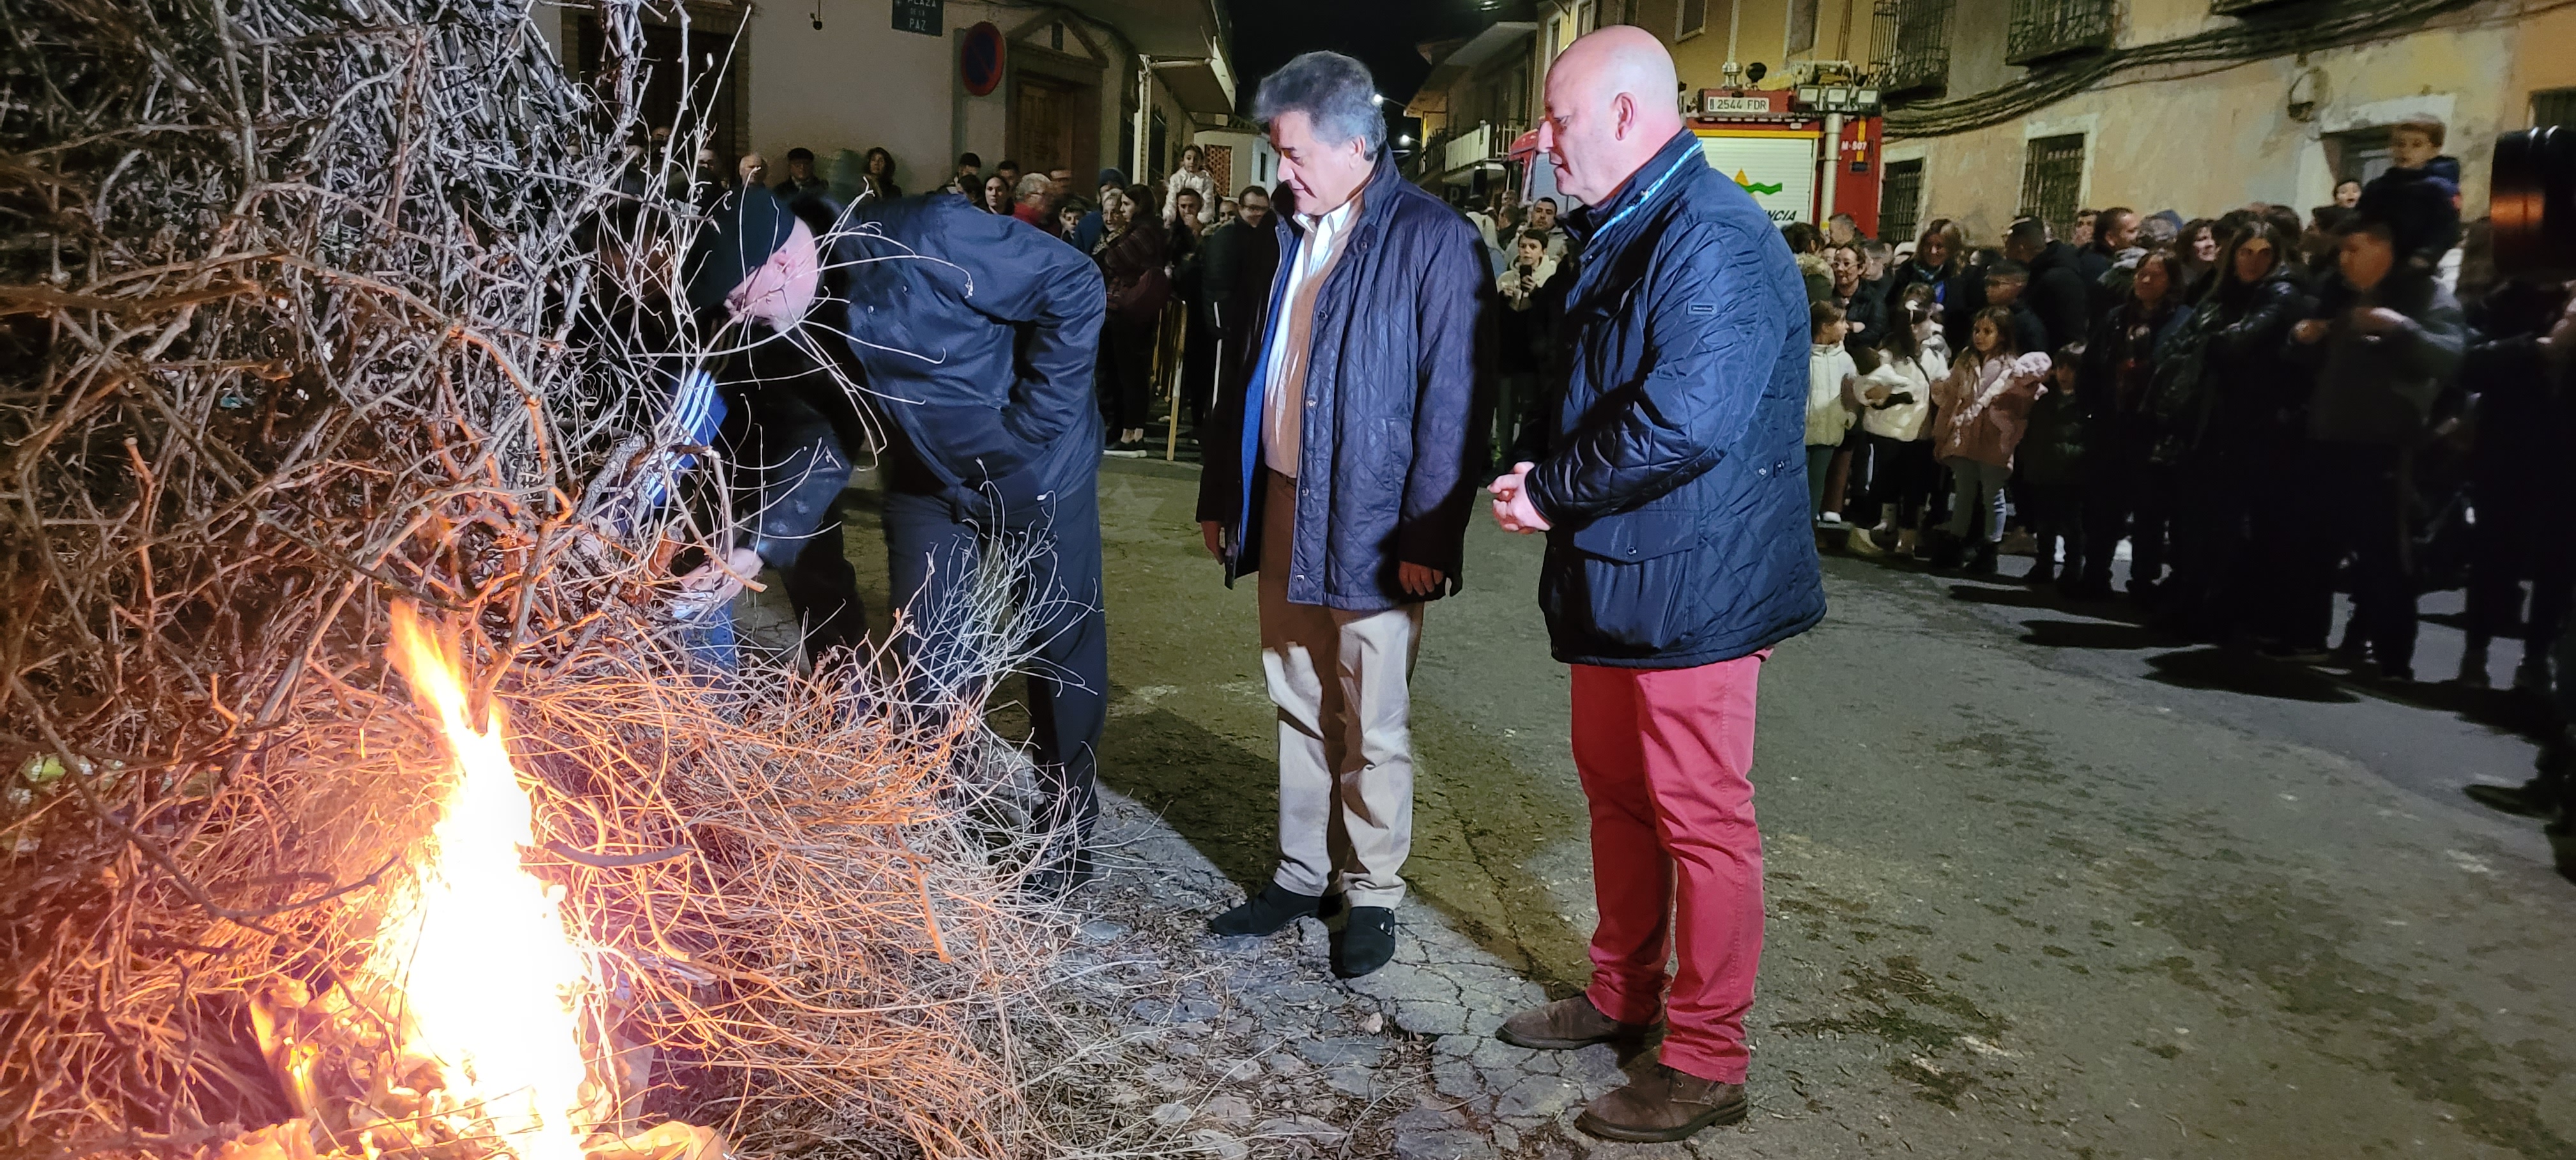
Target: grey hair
x,y
1334,91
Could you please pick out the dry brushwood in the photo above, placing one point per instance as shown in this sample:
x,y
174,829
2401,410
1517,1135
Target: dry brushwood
x,y
310,305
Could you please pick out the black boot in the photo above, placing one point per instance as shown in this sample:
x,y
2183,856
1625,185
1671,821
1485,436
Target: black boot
x,y
1367,943
1266,913
1984,564
1058,876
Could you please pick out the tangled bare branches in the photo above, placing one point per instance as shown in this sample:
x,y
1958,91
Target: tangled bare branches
x,y
303,310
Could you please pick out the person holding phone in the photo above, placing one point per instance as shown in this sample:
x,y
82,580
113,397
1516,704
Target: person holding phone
x,y
1522,335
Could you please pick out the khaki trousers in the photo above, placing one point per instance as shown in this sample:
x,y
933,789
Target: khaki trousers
x,y
1345,735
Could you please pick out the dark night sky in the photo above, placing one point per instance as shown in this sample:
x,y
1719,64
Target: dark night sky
x,y
1381,33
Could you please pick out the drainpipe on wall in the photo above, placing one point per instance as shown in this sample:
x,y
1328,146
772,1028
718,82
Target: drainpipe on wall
x,y
1734,25
1833,153
1788,29
1144,119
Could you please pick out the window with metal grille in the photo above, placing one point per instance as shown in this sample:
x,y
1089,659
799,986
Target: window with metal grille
x,y
2052,181
2553,107
1900,201
1694,18
2044,30
1912,57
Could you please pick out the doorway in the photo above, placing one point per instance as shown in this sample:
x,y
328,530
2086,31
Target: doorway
x,y
1054,124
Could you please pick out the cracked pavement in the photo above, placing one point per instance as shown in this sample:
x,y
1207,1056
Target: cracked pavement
x,y
2039,884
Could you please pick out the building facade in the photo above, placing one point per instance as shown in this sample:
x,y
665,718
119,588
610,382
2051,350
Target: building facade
x,y
2005,107
1086,85
1997,108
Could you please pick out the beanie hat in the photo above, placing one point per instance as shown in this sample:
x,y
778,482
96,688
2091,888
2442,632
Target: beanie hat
x,y
743,229
1116,177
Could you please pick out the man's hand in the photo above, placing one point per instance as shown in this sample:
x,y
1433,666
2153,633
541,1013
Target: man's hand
x,y
2379,320
718,581
2560,342
1512,506
2310,331
1214,532
1418,580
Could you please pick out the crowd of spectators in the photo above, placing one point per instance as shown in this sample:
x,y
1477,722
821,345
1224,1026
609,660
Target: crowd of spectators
x,y
2264,408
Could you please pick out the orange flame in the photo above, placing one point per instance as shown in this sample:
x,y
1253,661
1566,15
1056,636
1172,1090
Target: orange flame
x,y
481,958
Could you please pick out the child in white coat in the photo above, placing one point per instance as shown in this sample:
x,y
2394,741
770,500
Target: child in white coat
x,y
1895,404
1830,372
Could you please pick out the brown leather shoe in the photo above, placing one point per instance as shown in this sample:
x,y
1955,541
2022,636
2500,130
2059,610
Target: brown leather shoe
x,y
1663,1105
1565,1025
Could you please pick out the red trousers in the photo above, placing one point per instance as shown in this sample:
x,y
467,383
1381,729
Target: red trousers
x,y
1676,860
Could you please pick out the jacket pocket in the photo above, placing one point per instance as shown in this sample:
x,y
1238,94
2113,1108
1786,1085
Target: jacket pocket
x,y
1640,579
1639,535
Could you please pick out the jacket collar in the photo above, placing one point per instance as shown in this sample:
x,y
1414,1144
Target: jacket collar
x,y
1376,199
1648,182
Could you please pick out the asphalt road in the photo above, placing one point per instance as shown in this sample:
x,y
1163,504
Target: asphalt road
x,y
2040,883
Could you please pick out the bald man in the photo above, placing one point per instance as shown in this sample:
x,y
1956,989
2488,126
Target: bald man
x,y
1672,493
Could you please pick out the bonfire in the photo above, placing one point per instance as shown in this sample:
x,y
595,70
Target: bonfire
x,y
316,311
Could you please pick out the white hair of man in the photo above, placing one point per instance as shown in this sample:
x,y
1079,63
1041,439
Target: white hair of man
x,y
1333,91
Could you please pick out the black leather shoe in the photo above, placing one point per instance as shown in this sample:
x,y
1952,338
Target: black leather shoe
x,y
1367,943
1265,913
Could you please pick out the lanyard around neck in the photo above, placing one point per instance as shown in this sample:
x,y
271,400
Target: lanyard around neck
x,y
1645,197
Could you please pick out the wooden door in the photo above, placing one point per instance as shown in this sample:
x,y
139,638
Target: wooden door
x,y
1042,125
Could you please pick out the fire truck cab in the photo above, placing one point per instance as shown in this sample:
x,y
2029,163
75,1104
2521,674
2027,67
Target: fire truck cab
x,y
1805,154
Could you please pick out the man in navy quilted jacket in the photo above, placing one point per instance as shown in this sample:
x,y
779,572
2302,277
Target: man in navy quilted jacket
x,y
974,335
1340,474
1677,555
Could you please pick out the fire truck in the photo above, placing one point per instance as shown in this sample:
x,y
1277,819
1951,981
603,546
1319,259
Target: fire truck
x,y
1805,154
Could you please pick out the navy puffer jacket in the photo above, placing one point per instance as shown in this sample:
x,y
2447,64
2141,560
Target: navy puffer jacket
x,y
1675,478
1403,345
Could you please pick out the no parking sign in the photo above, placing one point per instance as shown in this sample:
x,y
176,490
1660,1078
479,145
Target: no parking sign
x,y
979,59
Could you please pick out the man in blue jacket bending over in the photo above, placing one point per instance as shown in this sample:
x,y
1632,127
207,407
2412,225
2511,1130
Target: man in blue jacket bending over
x,y
974,337
1677,555
1340,474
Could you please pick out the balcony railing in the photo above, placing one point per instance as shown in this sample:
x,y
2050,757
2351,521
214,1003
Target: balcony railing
x,y
1464,147
2044,30
1467,148
1913,39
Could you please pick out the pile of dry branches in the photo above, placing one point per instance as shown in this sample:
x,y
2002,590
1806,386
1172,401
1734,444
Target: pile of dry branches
x,y
303,311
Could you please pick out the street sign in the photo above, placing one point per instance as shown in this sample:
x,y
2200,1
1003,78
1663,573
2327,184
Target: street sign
x,y
926,17
979,58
